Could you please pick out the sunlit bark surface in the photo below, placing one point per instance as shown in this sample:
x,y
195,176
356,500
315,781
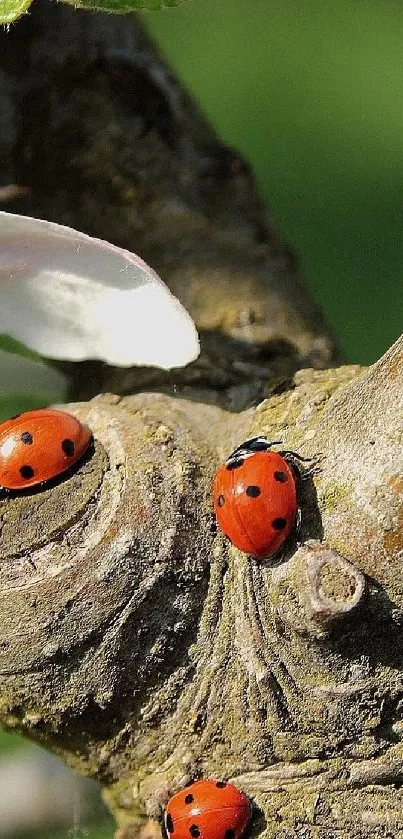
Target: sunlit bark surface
x,y
148,651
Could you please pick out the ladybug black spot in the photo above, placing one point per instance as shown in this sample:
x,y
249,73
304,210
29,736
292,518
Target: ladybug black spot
x,y
27,472
253,491
281,477
221,784
220,501
68,447
236,463
27,438
229,834
194,831
279,524
169,823
189,798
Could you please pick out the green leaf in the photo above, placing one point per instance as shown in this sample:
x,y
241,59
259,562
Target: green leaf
x,y
10,10
125,5
16,347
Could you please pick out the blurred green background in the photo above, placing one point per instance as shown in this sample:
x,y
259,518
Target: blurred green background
x,y
311,94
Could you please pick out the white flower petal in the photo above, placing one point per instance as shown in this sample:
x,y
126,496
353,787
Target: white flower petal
x,y
24,376
69,296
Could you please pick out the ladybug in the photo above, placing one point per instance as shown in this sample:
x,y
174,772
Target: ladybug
x,y
37,446
209,810
255,497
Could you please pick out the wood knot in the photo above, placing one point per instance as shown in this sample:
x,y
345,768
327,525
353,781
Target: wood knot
x,y
316,588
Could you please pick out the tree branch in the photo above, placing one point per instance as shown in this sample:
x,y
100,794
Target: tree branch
x,y
157,652
134,639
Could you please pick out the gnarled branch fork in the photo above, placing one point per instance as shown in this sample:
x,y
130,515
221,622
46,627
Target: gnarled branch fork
x,y
144,648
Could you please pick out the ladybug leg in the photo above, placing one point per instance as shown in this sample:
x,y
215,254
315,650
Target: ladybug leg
x,y
295,456
295,461
297,525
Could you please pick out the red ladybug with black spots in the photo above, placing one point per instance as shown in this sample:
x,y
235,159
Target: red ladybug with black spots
x,y
38,446
207,810
255,497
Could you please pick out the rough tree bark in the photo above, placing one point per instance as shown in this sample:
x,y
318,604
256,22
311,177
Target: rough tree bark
x,y
134,639
147,651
